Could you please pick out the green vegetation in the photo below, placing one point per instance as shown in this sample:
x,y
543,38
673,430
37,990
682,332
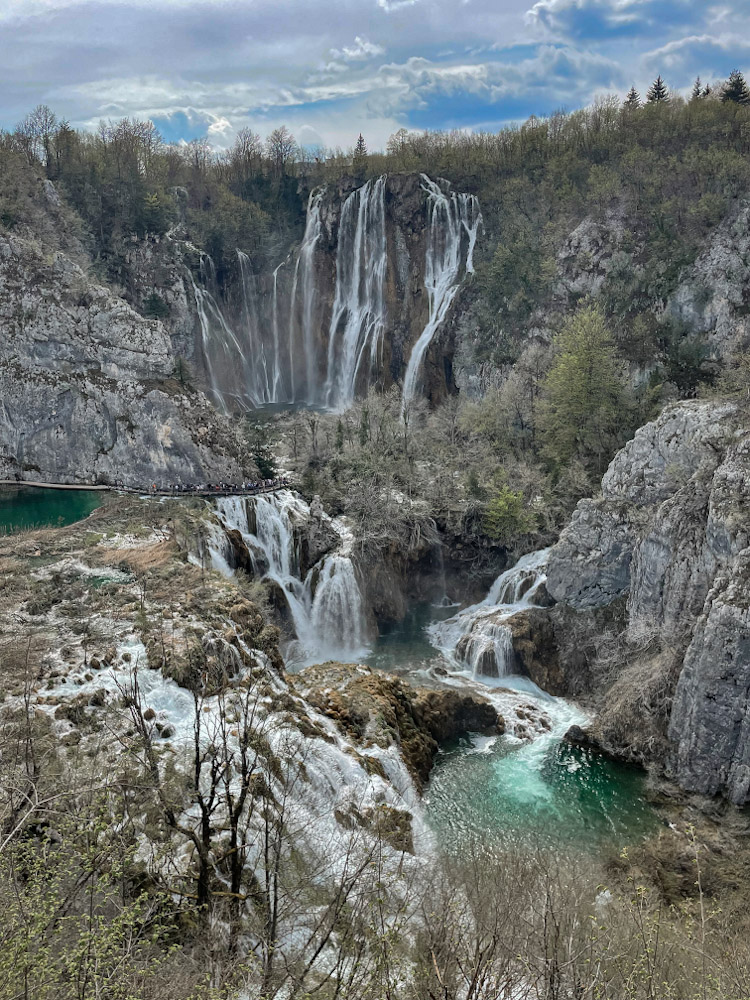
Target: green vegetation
x,y
583,396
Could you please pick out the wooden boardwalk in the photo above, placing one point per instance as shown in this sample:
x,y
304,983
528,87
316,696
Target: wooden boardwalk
x,y
155,491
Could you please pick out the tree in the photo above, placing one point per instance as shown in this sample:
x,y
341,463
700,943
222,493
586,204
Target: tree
x,y
281,149
359,161
583,392
735,89
633,100
657,92
697,89
507,517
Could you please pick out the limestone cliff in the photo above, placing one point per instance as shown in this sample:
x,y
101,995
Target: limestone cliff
x,y
85,387
670,535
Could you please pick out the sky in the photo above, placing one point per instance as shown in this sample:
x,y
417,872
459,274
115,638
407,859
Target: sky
x,y
330,69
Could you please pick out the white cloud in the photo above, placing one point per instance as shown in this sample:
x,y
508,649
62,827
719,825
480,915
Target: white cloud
x,y
362,49
391,5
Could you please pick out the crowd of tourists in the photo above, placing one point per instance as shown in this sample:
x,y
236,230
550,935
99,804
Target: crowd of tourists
x,y
178,489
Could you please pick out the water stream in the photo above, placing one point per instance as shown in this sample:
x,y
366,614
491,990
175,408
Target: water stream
x,y
526,786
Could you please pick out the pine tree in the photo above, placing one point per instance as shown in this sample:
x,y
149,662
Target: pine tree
x,y
657,92
697,90
633,100
360,150
735,89
583,392
707,91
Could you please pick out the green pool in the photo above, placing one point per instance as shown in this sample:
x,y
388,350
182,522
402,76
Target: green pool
x,y
498,795
24,507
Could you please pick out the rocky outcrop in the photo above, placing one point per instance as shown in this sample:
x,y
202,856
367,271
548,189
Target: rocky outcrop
x,y
671,532
85,388
713,298
376,709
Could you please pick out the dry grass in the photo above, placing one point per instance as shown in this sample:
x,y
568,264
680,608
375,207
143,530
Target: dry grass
x,y
144,559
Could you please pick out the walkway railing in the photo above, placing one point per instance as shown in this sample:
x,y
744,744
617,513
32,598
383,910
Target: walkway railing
x,y
170,490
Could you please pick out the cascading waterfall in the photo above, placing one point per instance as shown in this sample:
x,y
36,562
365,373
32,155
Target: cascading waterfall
x,y
326,606
273,349
450,215
359,312
254,361
478,637
305,311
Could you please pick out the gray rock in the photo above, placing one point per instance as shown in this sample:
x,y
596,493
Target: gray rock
x,y
710,721
82,385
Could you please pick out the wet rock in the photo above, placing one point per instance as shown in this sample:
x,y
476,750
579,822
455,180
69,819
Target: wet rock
x,y
536,651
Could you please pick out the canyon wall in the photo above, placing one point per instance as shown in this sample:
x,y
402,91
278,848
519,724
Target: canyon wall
x,y
670,537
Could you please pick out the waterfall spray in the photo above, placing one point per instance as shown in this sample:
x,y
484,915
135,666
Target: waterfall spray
x,y
359,313
450,215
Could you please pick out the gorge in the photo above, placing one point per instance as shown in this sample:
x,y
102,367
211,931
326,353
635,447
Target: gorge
x,y
475,667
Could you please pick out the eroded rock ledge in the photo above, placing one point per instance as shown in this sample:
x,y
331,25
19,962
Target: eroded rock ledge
x,y
380,709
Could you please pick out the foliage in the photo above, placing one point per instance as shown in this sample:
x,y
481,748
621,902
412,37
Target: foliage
x,y
507,517
583,394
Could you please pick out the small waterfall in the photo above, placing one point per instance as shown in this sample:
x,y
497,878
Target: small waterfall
x,y
359,312
477,636
450,215
444,601
326,606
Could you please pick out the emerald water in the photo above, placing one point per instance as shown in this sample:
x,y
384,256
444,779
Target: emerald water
x,y
497,794
500,792
24,507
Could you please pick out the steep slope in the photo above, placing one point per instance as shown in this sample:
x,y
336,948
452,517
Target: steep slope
x,y
669,535
85,390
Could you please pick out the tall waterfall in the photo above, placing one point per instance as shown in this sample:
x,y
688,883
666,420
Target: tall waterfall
x,y
304,312
326,605
450,215
278,337
478,637
359,313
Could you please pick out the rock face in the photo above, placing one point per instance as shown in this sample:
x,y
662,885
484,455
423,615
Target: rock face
x,y
713,298
85,390
671,531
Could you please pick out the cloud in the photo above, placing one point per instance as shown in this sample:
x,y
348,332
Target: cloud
x,y
608,19
362,49
332,68
390,5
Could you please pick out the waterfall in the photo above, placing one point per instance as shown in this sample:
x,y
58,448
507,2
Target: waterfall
x,y
359,313
277,392
280,348
450,215
254,360
304,285
478,637
326,606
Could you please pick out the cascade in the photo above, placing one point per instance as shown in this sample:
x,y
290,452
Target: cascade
x,y
305,311
477,636
359,312
450,215
259,384
326,606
